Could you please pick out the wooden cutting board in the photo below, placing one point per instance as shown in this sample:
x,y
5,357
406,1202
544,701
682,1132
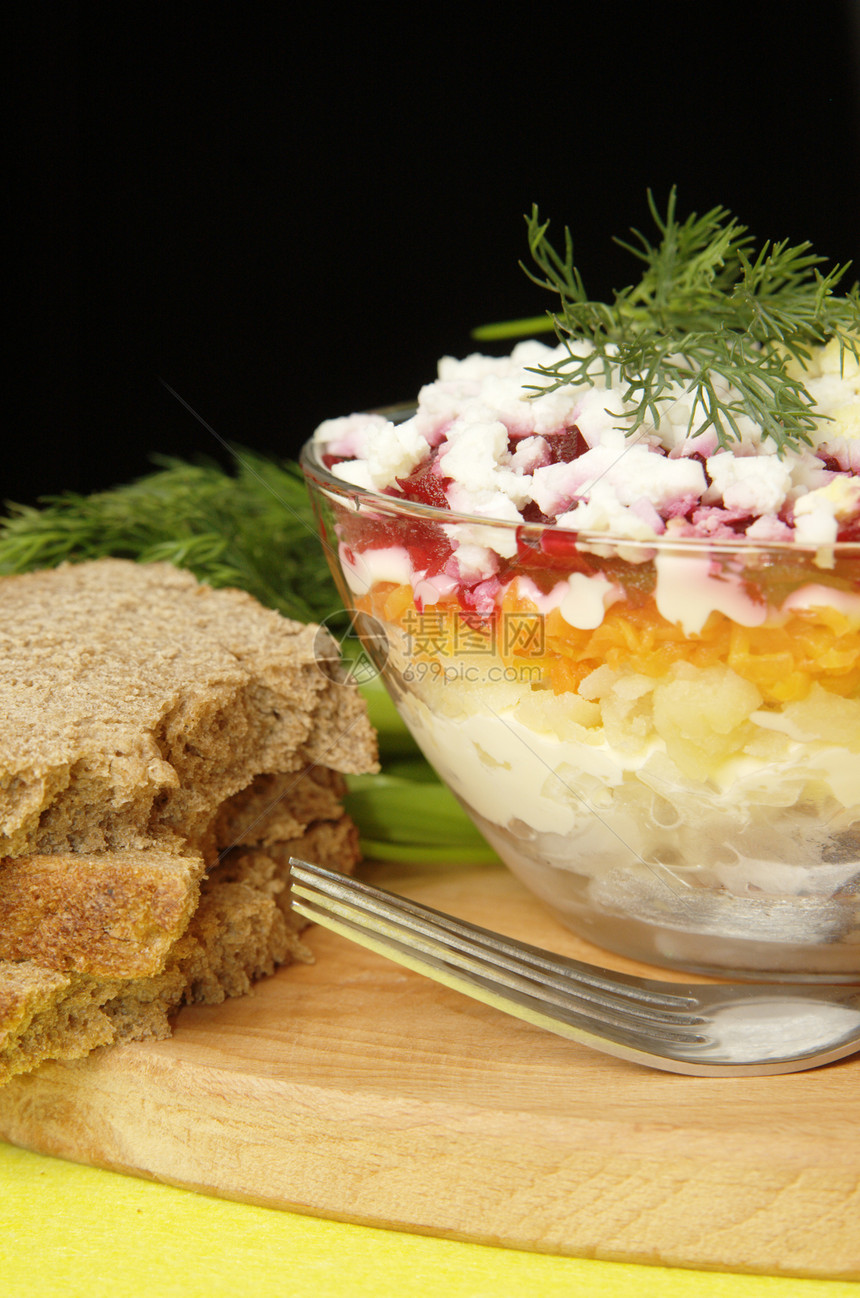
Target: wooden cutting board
x,y
354,1089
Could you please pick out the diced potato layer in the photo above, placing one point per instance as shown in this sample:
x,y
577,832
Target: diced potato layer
x,y
637,677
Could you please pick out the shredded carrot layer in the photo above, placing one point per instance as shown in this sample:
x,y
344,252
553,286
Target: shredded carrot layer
x,y
783,658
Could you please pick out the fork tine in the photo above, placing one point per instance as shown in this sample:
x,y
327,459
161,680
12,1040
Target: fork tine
x,y
495,946
405,929
601,1032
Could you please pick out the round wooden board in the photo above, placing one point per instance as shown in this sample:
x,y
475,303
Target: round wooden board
x,y
355,1089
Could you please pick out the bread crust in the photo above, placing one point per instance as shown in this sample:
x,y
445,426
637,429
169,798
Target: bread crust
x,y
110,914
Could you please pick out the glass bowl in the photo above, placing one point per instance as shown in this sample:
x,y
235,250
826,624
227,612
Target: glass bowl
x,y
661,740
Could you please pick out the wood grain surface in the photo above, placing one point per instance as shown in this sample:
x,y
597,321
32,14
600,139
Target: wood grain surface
x,y
357,1090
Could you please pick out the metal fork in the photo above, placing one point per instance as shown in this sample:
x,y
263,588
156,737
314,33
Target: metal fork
x,y
707,1030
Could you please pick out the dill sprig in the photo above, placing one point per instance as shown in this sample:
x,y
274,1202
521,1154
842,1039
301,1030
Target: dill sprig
x,y
711,316
251,527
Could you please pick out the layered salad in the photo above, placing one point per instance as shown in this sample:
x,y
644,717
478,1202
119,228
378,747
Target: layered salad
x,y
629,643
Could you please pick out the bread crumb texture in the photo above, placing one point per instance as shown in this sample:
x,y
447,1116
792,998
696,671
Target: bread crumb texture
x,y
164,749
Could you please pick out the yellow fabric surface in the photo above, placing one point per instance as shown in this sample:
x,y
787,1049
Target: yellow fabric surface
x,y
78,1231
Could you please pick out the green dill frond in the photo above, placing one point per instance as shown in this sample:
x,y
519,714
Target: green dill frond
x,y
252,528
710,316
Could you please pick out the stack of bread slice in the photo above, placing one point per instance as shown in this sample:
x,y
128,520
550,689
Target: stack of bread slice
x,y
164,749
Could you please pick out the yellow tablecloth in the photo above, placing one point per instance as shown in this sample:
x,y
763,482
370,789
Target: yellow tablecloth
x,y
77,1231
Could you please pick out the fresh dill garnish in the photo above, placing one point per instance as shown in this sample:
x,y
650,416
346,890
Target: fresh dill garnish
x,y
252,528
711,317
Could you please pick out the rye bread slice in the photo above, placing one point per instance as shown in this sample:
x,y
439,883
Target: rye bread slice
x,y
134,701
241,930
274,808
150,726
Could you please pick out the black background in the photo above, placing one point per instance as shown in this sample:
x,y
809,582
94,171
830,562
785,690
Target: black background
x,y
286,215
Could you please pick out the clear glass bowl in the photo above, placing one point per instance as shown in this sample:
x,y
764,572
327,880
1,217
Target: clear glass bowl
x,y
661,740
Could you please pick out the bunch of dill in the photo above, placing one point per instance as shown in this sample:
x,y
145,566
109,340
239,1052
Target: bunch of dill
x,y
249,526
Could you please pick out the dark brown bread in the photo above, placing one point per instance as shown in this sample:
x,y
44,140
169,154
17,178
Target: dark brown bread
x,y
278,807
164,749
241,930
134,701
48,1015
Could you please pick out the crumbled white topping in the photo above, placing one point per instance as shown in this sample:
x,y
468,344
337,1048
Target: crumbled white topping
x,y
356,472
348,434
752,484
384,451
472,561
488,541
393,450
530,452
841,437
477,459
769,530
494,436
487,503
630,469
597,414
604,512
